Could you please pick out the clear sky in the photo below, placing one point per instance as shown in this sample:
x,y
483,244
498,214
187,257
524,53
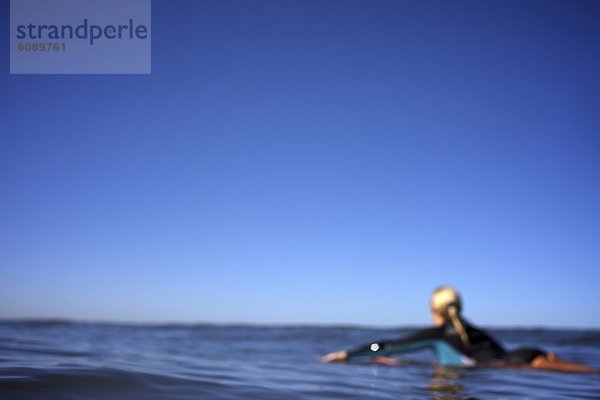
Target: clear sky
x,y
313,161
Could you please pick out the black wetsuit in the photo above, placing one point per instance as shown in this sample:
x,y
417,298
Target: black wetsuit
x,y
449,348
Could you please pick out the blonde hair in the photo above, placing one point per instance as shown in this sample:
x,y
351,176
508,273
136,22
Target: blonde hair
x,y
446,302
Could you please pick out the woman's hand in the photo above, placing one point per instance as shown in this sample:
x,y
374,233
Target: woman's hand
x,y
337,356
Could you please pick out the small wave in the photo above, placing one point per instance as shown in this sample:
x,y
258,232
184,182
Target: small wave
x,y
50,352
98,383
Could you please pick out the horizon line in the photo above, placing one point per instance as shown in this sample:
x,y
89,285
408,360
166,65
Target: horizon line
x,y
338,325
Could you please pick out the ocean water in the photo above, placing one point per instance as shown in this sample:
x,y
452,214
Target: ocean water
x,y
65,360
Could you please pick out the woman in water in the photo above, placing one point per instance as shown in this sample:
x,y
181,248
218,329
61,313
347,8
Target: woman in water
x,y
456,342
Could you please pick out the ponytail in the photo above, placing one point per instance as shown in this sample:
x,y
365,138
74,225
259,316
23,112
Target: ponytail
x,y
452,311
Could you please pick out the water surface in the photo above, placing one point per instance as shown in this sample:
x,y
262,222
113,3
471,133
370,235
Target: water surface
x,y
66,360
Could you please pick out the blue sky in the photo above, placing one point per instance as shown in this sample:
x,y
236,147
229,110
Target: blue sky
x,y
313,161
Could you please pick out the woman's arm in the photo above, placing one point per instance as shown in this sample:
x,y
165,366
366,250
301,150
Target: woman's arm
x,y
419,340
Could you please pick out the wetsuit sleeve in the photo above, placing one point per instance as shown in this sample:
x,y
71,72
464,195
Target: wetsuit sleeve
x,y
422,339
